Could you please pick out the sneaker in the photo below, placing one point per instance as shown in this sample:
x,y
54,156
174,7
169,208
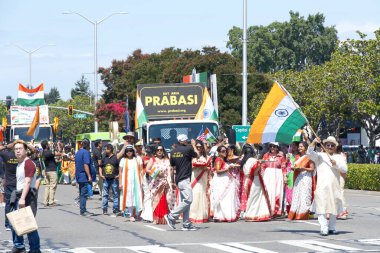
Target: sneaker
x,y
324,233
333,232
34,251
170,222
188,227
16,250
2,204
8,229
105,212
87,214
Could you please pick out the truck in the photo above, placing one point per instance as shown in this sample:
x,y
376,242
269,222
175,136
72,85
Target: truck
x,y
172,109
21,118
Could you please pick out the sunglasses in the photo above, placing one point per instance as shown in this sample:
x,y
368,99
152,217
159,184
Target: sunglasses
x,y
330,145
159,149
223,151
199,146
129,150
273,146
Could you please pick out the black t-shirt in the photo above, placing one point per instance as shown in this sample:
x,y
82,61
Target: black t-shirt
x,y
96,156
10,166
181,157
48,158
110,167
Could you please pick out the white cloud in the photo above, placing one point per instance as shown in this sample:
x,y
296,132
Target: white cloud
x,y
350,27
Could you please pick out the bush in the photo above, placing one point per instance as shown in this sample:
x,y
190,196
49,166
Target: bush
x,y
363,177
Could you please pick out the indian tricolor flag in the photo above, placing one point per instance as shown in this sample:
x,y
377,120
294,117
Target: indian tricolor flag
x,y
279,118
30,97
140,114
206,110
195,78
34,128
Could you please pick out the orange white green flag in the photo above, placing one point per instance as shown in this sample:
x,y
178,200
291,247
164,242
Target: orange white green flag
x,y
279,118
30,97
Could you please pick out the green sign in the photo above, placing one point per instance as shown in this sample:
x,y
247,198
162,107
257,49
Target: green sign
x,y
241,133
80,116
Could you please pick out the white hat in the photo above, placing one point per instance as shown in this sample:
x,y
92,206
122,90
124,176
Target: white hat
x,y
274,143
182,137
331,139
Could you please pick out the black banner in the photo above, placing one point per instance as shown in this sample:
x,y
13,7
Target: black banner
x,y
168,101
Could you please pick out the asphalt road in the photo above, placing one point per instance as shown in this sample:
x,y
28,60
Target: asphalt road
x,y
62,229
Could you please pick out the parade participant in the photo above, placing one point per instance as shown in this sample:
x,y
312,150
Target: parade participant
x,y
225,188
302,190
147,213
129,139
180,159
84,173
10,166
342,181
327,196
25,196
274,171
160,170
109,172
2,182
68,160
97,158
199,209
290,159
257,208
130,178
50,173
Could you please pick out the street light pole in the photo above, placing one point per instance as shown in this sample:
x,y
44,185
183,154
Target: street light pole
x,y
95,23
244,74
30,52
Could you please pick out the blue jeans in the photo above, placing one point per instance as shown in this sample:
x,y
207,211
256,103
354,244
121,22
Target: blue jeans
x,y
90,193
107,184
83,192
33,237
8,191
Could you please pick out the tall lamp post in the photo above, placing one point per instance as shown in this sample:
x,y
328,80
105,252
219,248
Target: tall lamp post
x,y
30,52
244,73
95,23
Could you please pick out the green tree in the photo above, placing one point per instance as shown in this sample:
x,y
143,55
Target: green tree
x,y
69,125
53,96
3,110
82,88
294,44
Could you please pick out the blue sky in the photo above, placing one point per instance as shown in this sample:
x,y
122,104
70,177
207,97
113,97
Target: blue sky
x,y
150,25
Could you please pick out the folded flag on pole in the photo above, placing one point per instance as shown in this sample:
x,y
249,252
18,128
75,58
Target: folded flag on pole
x,y
195,78
207,110
140,114
30,97
279,118
206,135
34,128
298,136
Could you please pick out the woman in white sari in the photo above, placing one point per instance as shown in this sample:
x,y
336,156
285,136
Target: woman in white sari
x,y
199,209
257,208
225,189
130,174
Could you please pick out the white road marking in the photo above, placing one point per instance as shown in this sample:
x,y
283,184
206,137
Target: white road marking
x,y
370,241
237,248
307,222
153,249
154,227
318,245
81,250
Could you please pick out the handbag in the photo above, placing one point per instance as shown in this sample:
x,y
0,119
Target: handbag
x,y
23,221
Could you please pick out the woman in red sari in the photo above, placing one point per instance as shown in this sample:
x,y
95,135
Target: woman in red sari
x,y
160,170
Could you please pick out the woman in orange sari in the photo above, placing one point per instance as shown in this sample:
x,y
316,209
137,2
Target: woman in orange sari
x,y
302,190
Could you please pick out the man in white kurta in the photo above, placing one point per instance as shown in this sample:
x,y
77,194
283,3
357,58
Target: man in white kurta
x,y
327,196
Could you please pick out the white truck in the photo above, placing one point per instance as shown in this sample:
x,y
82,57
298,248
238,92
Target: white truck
x,y
171,110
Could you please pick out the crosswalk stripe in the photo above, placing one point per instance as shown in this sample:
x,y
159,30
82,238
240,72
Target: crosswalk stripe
x,y
153,249
237,248
370,241
318,245
81,250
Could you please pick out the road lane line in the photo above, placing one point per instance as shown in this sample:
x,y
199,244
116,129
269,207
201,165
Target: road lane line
x,y
81,250
154,227
370,241
318,245
153,249
236,248
307,222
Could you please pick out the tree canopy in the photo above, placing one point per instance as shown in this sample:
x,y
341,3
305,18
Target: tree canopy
x,y
295,44
53,96
81,88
